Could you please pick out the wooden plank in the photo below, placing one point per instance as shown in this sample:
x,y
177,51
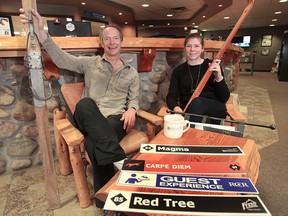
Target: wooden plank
x,y
129,43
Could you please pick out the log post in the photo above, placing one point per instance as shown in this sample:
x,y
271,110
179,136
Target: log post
x,y
61,146
74,140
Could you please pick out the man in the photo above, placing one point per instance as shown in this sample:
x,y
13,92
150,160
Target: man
x,y
110,98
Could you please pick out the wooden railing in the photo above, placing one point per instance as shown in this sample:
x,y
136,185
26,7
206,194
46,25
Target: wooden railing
x,y
16,46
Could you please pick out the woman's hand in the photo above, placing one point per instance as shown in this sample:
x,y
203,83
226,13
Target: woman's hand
x,y
24,19
216,69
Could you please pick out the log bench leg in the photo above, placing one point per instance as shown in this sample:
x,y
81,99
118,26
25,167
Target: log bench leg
x,y
72,139
80,176
61,146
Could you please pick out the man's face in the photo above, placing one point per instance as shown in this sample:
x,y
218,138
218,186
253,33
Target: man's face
x,y
111,41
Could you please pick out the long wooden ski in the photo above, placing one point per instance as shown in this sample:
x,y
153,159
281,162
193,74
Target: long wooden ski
x,y
33,61
222,50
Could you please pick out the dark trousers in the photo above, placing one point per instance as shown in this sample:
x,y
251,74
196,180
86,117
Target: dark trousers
x,y
208,107
102,136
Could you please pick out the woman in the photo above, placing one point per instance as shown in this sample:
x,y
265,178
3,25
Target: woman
x,y
186,77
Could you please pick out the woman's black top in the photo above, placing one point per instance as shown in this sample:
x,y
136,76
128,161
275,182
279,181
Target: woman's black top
x,y
184,81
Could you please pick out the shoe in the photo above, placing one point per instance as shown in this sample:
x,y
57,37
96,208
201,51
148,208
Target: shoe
x,y
119,164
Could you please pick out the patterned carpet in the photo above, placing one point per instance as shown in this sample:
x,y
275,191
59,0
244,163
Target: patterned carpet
x,y
259,111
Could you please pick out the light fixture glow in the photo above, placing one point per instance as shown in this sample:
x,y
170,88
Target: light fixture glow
x,y
220,5
120,14
168,24
283,1
145,5
272,25
274,20
83,3
278,12
169,15
227,17
203,17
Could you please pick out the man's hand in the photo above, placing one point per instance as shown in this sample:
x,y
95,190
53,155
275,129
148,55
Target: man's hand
x,y
129,118
24,19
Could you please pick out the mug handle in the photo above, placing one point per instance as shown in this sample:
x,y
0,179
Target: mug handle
x,y
187,123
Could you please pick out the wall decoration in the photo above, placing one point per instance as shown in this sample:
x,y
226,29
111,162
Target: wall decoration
x,y
6,27
266,41
265,51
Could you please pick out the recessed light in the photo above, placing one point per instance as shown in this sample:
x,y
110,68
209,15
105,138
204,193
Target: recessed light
x,y
185,28
120,14
203,17
274,20
126,23
168,24
169,15
83,3
283,1
145,5
278,12
272,25
151,26
227,17
195,26
220,5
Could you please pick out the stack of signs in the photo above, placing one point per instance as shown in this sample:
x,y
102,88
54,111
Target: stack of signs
x,y
186,177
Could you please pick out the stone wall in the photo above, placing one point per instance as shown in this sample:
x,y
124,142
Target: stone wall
x,y
19,136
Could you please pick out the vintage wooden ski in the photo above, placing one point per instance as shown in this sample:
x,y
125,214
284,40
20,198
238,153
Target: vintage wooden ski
x,y
33,60
222,50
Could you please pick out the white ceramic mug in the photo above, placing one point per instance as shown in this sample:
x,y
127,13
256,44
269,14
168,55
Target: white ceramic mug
x,y
175,126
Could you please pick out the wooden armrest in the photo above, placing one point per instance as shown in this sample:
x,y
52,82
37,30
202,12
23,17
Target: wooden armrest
x,y
154,119
131,143
163,111
71,135
234,113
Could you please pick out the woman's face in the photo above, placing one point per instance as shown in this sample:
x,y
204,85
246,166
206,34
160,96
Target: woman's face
x,y
193,49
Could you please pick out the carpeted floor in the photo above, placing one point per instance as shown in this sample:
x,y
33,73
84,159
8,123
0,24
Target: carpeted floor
x,y
267,102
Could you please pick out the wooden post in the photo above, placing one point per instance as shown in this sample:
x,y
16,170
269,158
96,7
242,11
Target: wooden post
x,y
61,146
44,136
74,139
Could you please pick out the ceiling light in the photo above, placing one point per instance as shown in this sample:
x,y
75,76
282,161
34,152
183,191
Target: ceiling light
x,y
274,20
203,17
169,15
168,24
272,25
151,26
185,28
83,3
204,30
283,1
120,14
278,12
220,5
195,26
145,5
69,19
126,23
227,17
